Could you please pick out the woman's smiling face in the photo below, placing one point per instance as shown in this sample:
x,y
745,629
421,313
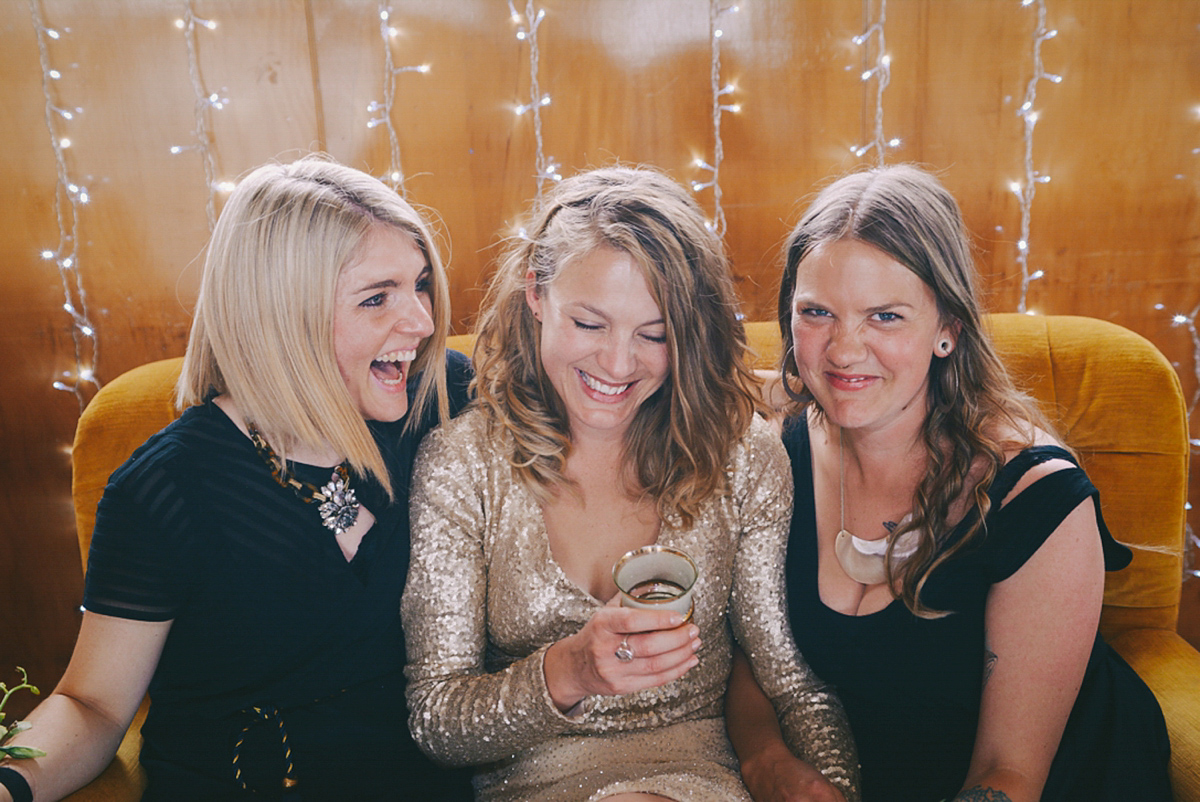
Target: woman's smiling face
x,y
865,329
603,340
382,312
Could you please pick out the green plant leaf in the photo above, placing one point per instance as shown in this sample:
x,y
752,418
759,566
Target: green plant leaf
x,y
21,752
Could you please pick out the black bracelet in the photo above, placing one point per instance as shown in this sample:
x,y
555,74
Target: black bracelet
x,y
16,784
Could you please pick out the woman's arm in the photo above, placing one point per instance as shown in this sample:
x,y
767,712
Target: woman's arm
x,y
81,724
810,715
1040,624
769,769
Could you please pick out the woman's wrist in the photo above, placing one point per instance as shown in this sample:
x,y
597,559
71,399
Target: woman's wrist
x,y
559,676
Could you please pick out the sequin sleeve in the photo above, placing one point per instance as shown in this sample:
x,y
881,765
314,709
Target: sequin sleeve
x,y
462,714
811,716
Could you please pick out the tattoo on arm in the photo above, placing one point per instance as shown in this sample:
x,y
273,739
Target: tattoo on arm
x,y
989,662
981,794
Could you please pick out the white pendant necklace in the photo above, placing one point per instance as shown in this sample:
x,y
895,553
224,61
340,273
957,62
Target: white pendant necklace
x,y
865,561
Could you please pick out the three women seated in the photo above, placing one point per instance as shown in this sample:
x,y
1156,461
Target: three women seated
x,y
939,572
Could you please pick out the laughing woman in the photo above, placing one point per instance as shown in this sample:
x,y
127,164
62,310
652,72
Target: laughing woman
x,y
248,560
615,410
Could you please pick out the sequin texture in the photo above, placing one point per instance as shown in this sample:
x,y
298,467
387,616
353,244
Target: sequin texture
x,y
485,598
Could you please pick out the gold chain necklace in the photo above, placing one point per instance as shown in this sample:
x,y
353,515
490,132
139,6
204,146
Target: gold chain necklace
x,y
339,507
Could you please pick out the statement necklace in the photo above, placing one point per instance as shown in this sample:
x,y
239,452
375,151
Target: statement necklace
x,y
339,507
865,561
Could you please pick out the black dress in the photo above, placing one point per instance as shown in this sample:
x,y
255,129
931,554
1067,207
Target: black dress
x,y
274,633
912,687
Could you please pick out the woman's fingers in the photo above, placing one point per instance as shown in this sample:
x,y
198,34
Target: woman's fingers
x,y
660,643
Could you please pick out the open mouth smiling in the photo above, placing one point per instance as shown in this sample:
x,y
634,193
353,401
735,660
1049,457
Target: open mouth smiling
x,y
603,387
390,368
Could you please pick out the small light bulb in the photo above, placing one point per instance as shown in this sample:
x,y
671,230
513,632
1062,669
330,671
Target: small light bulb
x,y
179,24
55,74
64,142
53,34
47,255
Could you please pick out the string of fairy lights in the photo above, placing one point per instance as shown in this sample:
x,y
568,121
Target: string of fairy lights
x,y
1191,565
382,109
70,196
71,193
204,104
719,93
881,73
528,23
1026,189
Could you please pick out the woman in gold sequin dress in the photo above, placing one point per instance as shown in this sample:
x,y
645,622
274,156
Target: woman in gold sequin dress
x,y
615,410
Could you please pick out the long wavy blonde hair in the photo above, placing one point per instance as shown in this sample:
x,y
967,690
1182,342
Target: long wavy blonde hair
x,y
681,438
263,326
974,411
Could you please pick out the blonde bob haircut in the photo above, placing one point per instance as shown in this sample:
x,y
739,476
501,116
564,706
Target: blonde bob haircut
x,y
263,327
681,438
973,409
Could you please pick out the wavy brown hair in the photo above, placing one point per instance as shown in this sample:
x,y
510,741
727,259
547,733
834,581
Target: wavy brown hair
x,y
680,440
973,407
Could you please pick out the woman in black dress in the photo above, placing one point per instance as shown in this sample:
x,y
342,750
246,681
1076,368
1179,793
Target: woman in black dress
x,y
248,560
946,563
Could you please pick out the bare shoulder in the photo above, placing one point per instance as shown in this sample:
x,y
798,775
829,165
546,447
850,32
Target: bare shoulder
x,y
1021,440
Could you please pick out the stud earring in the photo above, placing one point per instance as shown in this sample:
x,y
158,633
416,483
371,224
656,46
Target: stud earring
x,y
944,347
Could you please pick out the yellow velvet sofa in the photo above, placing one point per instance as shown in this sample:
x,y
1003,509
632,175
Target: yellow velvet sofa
x,y
1112,394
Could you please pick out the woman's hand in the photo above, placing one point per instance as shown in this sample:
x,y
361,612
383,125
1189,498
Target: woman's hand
x,y
774,774
586,663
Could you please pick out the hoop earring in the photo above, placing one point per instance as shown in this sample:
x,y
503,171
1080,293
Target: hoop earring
x,y
945,347
802,397
951,398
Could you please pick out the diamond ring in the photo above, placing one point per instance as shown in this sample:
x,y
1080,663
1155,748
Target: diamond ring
x,y
623,652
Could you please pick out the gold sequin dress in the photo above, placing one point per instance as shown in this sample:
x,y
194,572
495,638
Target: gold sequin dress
x,y
485,599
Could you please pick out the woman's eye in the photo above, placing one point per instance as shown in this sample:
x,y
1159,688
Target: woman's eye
x,y
813,311
888,317
375,300
657,339
424,284
579,324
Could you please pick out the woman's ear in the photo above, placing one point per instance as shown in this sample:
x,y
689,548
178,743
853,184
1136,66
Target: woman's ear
x,y
531,294
947,339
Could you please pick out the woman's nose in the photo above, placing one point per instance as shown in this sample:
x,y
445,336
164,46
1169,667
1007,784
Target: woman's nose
x,y
413,318
845,346
617,357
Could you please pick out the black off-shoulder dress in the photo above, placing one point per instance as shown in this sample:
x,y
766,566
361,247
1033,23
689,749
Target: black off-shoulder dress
x,y
912,687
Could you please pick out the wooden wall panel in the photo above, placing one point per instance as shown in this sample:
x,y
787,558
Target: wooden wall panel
x,y
1115,230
